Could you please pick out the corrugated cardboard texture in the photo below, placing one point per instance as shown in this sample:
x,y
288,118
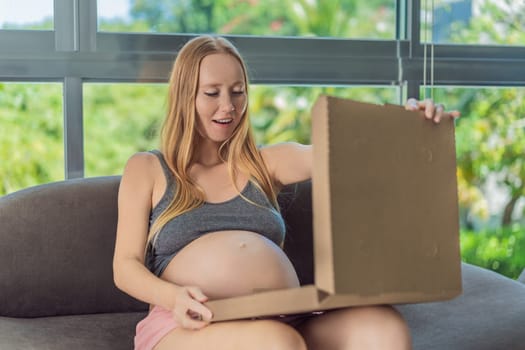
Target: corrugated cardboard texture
x,y
387,178
321,191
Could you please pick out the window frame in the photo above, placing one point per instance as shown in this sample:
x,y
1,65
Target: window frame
x,y
75,52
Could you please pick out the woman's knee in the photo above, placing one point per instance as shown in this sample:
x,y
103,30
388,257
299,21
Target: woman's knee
x,y
274,335
380,325
371,327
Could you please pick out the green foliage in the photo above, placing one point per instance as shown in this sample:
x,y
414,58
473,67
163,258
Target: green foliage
x,y
490,139
31,146
45,24
346,18
338,18
281,113
499,22
119,120
500,250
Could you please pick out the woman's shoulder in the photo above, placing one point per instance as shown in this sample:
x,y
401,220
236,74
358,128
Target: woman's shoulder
x,y
282,150
143,165
141,160
288,162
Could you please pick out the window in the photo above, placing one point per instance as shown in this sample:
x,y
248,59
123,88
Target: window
x,y
480,22
348,18
26,14
490,139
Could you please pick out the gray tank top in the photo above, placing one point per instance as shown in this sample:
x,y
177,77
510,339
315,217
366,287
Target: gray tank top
x,y
233,214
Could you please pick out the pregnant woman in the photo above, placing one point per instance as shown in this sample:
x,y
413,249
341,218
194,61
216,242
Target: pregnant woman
x,y
199,220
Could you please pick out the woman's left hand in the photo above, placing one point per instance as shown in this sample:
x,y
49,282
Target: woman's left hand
x,y
433,111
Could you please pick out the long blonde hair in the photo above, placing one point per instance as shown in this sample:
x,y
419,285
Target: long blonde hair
x,y
178,133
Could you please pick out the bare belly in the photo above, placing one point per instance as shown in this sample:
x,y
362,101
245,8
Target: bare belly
x,y
231,263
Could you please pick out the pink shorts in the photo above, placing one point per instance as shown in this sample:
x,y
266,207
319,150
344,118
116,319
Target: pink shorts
x,y
159,322
155,326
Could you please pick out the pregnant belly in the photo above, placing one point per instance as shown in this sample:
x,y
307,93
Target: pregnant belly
x,y
231,263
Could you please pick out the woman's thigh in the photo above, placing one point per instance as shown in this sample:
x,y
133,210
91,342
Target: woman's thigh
x,y
367,327
242,335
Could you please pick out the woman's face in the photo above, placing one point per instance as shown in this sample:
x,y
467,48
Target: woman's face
x,y
221,97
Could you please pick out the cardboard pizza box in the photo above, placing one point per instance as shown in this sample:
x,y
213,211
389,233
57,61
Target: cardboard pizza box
x,y
385,214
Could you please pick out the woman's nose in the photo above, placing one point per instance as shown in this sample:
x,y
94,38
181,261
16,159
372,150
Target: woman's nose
x,y
227,105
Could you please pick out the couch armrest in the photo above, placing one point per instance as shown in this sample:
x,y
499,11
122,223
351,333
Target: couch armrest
x,y
56,250
522,277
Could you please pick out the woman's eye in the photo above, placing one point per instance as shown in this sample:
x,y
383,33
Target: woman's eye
x,y
211,94
238,92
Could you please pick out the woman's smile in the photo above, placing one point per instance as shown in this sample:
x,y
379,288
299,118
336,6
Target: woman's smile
x,y
225,121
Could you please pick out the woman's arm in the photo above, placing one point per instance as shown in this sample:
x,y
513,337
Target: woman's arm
x,y
134,204
130,274
288,162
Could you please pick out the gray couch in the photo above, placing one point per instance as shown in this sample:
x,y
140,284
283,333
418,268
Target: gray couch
x,y
57,292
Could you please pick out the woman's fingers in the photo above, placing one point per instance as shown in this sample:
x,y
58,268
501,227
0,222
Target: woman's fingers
x,y
412,104
432,111
198,307
189,310
189,318
194,320
455,114
204,314
197,294
439,113
191,322
430,108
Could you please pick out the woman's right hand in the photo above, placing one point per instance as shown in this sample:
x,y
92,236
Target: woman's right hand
x,y
189,310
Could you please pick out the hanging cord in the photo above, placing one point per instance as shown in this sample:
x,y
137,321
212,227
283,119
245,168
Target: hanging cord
x,y
432,54
429,26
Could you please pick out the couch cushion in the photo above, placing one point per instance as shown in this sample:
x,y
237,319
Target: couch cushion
x,y
489,315
295,201
56,249
99,331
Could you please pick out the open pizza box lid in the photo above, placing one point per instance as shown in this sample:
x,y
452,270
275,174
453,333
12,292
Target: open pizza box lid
x,y
385,214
